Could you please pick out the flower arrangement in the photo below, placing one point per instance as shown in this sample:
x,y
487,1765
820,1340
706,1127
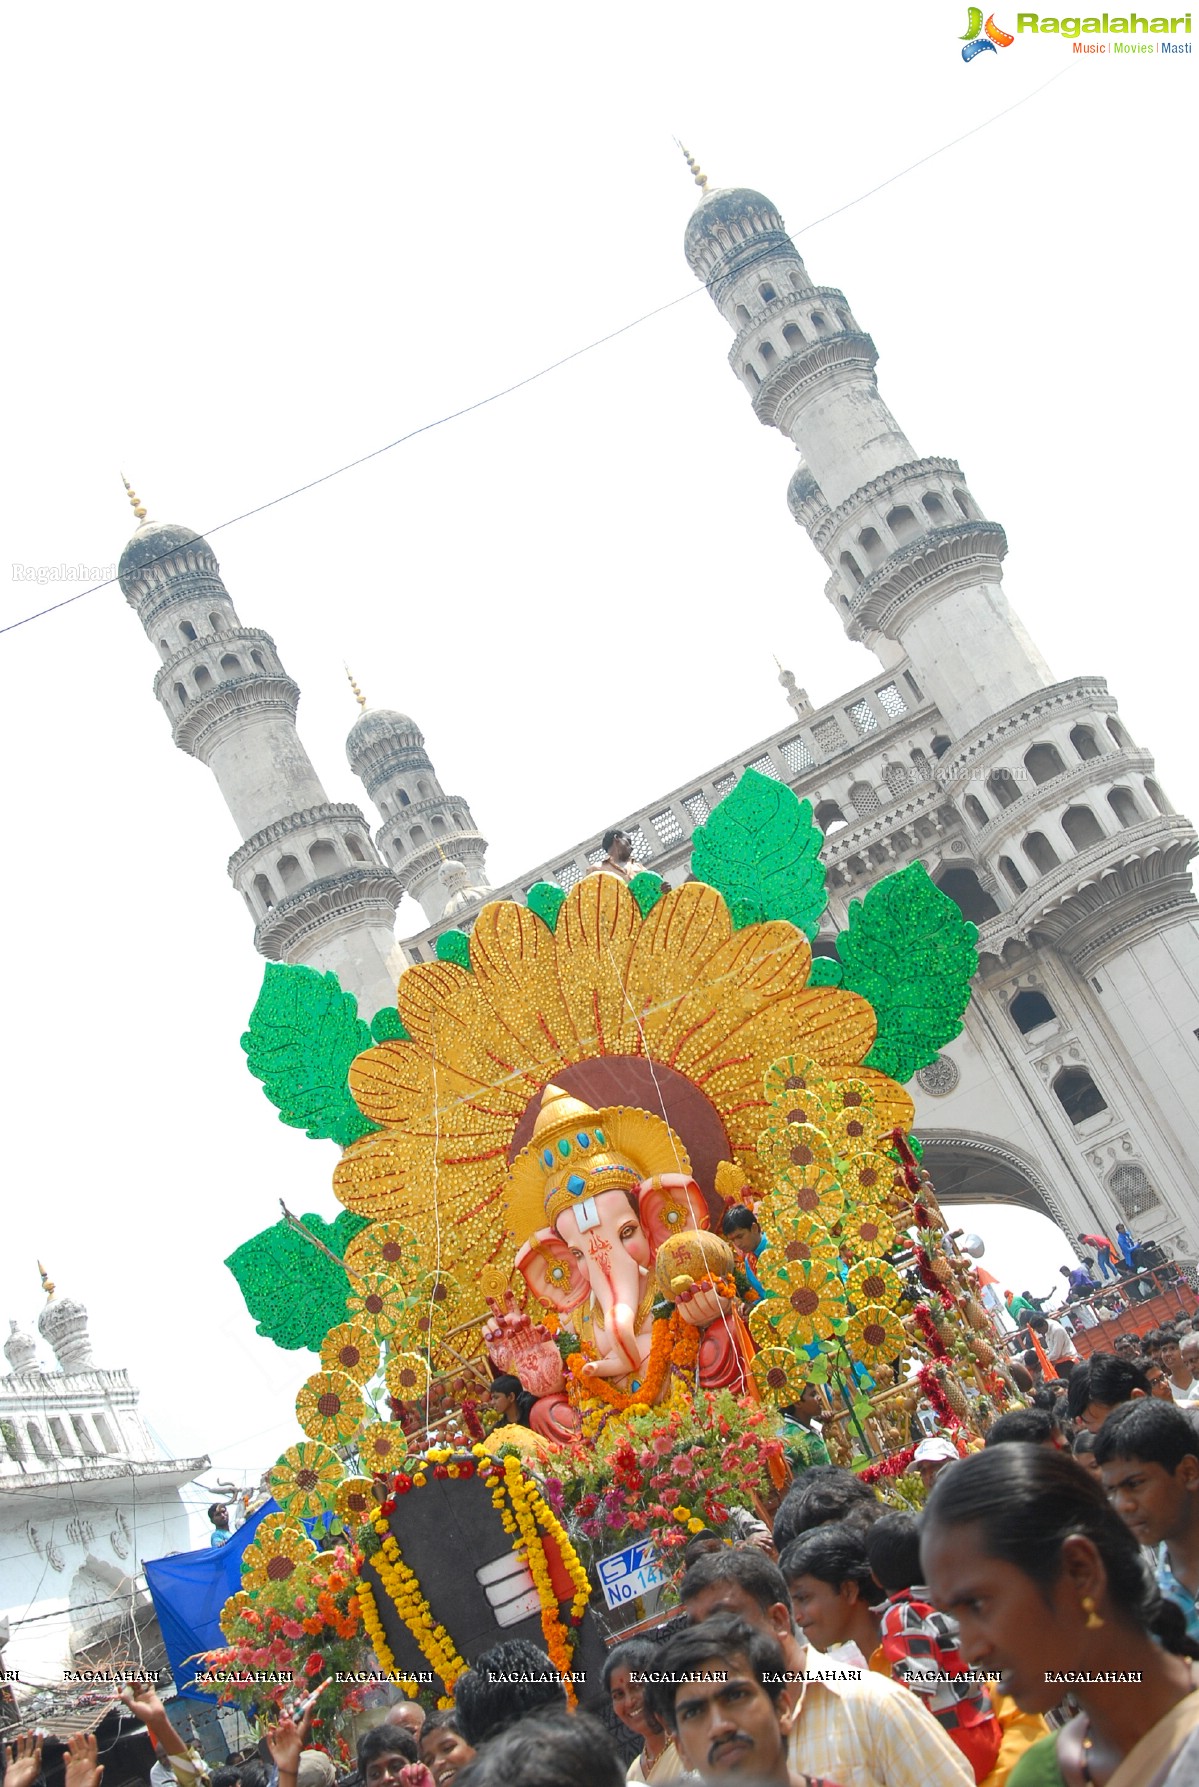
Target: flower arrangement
x,y
668,1472
306,1624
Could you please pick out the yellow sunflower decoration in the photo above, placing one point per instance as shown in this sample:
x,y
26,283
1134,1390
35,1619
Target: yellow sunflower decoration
x,y
795,1151
354,1501
869,1230
278,1550
874,1281
378,1303
853,1131
806,1297
382,1447
816,1194
679,986
875,1334
778,1375
330,1407
304,1479
353,1349
791,1233
385,1250
231,1612
866,1178
407,1377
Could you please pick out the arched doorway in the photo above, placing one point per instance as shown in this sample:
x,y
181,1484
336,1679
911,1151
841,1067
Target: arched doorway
x,y
969,1168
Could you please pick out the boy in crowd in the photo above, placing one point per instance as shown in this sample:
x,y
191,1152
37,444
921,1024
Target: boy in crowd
x,y
1148,1456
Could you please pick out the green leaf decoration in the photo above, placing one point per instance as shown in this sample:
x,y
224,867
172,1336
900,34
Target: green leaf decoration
x,y
761,850
545,899
646,889
388,1026
861,1408
453,946
817,1371
908,950
295,1292
304,1032
826,972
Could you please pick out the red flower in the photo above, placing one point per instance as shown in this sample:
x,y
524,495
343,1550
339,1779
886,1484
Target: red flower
x,y
403,1484
315,1664
467,1468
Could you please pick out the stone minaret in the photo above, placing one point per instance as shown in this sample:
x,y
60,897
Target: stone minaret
x,y
422,828
307,869
1068,854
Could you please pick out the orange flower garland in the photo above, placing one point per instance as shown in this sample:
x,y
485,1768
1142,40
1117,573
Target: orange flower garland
x,y
524,1512
404,1589
675,1343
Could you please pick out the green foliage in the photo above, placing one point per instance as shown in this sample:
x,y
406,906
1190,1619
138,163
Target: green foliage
x,y
760,849
545,899
304,1032
908,950
825,972
646,889
388,1026
295,1292
453,946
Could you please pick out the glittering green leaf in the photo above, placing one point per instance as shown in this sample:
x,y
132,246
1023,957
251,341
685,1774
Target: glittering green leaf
x,y
304,1032
826,972
295,1292
453,946
760,848
908,950
646,889
545,900
388,1026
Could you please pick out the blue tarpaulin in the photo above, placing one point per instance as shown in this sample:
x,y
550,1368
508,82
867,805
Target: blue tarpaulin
x,y
189,1590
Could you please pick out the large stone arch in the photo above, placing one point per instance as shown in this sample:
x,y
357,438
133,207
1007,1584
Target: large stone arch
x,y
970,1168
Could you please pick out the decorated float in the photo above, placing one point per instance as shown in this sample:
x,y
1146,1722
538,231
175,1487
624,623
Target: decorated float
x,y
538,1147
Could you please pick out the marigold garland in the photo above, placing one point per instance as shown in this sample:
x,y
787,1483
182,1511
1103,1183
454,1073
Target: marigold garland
x,y
530,1517
675,1342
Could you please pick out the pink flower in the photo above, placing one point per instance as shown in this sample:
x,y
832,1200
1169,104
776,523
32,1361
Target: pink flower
x,y
662,1443
293,1628
681,1467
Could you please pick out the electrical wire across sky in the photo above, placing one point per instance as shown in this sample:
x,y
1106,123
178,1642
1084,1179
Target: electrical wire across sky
x,y
543,371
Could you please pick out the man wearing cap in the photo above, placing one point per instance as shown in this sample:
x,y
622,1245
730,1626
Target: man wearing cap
x,y
930,1458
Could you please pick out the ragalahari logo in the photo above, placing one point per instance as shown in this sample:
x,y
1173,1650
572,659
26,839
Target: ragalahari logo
x,y
979,37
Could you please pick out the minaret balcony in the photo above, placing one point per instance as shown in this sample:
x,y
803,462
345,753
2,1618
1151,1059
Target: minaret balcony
x,y
1108,897
214,711
792,306
926,568
339,817
455,846
790,383
328,904
913,485
209,648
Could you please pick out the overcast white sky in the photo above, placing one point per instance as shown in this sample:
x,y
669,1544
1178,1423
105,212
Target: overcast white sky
x,y
248,244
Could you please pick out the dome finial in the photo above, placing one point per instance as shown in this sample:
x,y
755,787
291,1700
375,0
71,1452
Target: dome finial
x,y
358,695
134,499
700,178
46,1284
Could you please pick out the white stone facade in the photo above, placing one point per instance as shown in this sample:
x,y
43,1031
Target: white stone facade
x,y
85,1498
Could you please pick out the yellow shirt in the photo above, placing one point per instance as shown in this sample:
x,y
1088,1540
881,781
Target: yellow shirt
x,y
868,1731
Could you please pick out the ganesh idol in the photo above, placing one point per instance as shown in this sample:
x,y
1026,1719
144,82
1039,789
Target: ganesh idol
x,y
613,1237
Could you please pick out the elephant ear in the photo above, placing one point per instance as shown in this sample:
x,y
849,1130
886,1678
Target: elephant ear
x,y
552,1273
668,1204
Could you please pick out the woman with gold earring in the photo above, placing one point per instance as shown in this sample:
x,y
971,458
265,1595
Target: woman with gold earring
x,y
1024,1549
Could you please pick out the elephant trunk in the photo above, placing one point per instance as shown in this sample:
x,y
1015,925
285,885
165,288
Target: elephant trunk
x,y
618,1292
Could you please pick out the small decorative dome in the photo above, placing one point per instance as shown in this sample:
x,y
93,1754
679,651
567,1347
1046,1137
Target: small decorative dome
x,y
374,726
802,488
730,223
455,878
20,1349
154,540
63,1326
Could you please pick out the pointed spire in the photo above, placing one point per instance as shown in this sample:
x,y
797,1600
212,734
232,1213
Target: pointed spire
x,y
358,695
46,1284
701,179
134,499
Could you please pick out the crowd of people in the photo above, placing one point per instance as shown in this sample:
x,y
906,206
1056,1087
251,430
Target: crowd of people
x,y
1033,1625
